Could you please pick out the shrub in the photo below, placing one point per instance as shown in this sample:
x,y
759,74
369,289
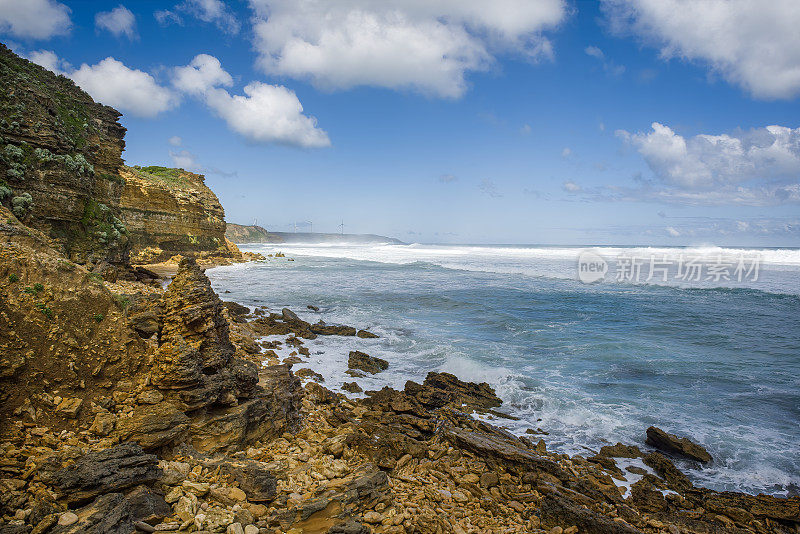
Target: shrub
x,y
21,205
98,317
13,278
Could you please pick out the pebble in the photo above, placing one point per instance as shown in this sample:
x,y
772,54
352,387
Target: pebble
x,y
251,529
235,528
67,518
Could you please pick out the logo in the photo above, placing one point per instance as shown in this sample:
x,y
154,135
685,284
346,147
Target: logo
x,y
592,267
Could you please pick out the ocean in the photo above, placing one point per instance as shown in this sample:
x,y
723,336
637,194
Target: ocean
x,y
709,352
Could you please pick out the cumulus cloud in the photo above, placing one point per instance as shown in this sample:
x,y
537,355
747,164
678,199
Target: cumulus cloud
x,y
49,60
268,114
119,21
214,11
202,74
750,43
707,162
416,44
175,141
264,114
571,187
184,159
129,90
34,19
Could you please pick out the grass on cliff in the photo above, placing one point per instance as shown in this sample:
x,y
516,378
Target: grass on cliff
x,y
164,175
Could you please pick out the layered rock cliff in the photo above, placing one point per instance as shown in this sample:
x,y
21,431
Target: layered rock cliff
x,y
172,212
60,153
239,233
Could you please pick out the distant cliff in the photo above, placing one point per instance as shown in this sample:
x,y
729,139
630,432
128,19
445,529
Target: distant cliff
x,y
172,212
60,153
238,233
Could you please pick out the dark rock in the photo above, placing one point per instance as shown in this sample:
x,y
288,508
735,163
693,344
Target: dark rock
x,y
107,514
352,387
290,317
313,308
153,426
95,473
559,510
258,483
235,308
443,389
488,441
365,362
673,444
147,505
308,373
676,480
350,527
364,334
332,330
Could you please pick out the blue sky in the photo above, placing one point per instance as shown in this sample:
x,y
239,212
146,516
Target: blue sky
x,y
557,122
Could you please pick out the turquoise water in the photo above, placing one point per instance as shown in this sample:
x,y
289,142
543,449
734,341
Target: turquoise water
x,y
589,364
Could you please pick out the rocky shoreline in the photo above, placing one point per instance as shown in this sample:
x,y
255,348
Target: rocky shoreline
x,y
198,426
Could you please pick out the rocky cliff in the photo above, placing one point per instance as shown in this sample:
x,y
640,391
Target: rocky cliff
x,y
239,233
60,153
172,212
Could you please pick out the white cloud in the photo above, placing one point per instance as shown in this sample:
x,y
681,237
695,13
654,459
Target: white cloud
x,y
49,60
705,162
751,43
119,21
165,17
609,66
268,114
34,19
566,152
129,90
448,178
594,52
175,141
264,114
203,73
672,231
418,44
525,130
212,11
571,187
183,159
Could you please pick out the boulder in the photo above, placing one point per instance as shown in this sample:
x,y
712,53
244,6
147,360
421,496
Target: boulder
x,y
556,509
352,387
444,389
672,444
153,426
364,334
257,482
365,362
95,473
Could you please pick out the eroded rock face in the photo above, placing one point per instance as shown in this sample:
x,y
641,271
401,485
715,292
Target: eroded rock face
x,y
172,212
444,389
194,343
64,150
673,444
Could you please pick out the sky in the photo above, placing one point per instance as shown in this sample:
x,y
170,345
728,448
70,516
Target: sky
x,y
630,122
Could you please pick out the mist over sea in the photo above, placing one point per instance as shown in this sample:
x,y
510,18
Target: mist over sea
x,y
717,360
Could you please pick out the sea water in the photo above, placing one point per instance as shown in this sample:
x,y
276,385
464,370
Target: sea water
x,y
716,359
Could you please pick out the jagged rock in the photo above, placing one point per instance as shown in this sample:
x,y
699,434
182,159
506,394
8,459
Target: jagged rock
x,y
308,373
365,362
673,444
443,389
350,527
147,505
103,423
153,426
193,338
364,334
559,510
235,308
114,513
313,308
332,330
96,473
257,482
290,317
667,470
352,387
491,442
620,451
